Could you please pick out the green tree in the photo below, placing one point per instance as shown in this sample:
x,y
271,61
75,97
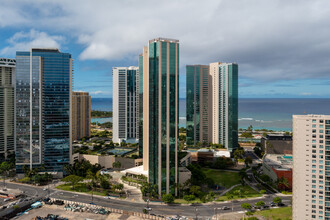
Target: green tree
x,y
260,204
247,135
116,164
195,190
73,179
283,183
246,206
189,198
262,191
248,160
168,198
277,200
5,167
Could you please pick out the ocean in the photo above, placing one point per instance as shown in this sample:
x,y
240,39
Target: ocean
x,y
275,114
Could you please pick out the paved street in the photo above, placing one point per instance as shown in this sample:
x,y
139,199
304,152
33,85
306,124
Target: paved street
x,y
203,211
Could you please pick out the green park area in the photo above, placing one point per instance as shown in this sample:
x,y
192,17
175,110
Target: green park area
x,y
223,178
239,192
274,214
80,187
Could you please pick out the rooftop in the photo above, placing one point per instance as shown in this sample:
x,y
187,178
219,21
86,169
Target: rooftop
x,y
136,171
7,62
164,39
279,161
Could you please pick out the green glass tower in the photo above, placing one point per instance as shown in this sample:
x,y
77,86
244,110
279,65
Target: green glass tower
x,y
197,104
161,113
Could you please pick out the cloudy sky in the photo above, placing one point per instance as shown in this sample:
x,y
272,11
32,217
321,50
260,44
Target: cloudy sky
x,y
282,46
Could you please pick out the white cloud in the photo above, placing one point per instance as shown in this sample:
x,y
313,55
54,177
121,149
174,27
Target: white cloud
x,y
306,93
270,40
99,92
23,41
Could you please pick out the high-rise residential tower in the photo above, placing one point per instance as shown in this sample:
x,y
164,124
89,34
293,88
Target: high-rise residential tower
x,y
44,108
161,113
224,97
81,115
7,107
125,104
311,165
197,104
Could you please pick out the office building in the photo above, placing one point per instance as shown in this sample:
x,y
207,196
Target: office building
x,y
224,111
44,109
125,104
161,113
277,144
81,115
7,108
311,165
197,104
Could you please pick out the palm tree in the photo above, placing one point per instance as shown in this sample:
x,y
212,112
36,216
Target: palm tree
x,y
283,182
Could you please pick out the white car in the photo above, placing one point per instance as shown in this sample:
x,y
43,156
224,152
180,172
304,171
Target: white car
x,y
148,208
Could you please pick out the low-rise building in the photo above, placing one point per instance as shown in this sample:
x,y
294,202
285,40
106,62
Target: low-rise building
x,y
277,144
277,166
107,161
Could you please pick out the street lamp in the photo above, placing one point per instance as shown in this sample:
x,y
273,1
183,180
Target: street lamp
x,y
196,213
215,213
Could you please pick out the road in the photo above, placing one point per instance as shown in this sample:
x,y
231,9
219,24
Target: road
x,y
204,211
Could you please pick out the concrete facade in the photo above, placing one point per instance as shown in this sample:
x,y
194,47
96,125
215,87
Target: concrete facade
x,y
7,107
311,178
81,115
125,104
107,161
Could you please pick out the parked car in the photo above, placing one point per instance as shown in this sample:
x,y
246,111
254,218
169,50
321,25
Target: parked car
x,y
148,208
266,207
272,204
225,208
280,204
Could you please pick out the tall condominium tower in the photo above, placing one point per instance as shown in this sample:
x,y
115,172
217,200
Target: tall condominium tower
x,y
143,61
311,165
44,108
197,104
7,107
81,115
160,113
125,104
224,97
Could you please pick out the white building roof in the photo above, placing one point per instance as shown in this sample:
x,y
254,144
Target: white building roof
x,y
136,171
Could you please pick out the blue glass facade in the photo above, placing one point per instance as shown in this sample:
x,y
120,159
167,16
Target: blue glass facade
x,y
43,100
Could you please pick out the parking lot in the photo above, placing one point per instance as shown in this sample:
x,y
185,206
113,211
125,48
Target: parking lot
x,y
59,210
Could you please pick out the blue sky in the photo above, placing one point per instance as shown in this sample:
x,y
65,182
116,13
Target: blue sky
x,y
282,48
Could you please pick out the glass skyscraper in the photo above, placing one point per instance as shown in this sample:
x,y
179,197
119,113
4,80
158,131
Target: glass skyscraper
x,y
160,113
7,108
197,104
43,109
224,93
125,104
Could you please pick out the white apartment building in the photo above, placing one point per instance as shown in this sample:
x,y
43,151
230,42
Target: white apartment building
x,y
311,167
125,104
7,107
223,111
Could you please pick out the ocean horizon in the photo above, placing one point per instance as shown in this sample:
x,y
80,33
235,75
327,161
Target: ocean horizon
x,y
272,113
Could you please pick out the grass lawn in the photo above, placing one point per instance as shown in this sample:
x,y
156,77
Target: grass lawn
x,y
182,201
247,192
80,187
223,178
274,214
